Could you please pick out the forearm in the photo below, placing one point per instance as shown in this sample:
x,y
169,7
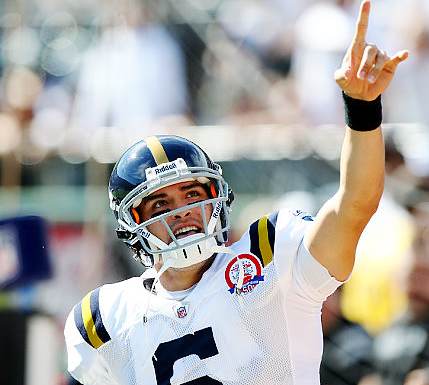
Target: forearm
x,y
361,171
333,238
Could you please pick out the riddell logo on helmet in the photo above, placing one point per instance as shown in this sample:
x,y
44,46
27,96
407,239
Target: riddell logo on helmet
x,y
177,167
217,209
146,234
165,167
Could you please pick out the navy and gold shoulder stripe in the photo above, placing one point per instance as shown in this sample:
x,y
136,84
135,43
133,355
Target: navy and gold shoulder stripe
x,y
262,238
87,318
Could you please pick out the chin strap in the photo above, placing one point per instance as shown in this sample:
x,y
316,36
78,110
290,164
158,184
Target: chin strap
x,y
161,271
240,283
240,280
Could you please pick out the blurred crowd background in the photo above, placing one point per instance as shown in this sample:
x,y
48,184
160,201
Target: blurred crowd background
x,y
252,82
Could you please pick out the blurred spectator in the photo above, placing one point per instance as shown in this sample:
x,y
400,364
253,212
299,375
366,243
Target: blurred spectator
x,y
404,346
322,35
406,100
373,296
247,72
243,21
133,76
347,347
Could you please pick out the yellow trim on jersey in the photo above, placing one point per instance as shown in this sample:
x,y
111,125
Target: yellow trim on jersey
x,y
264,242
88,322
157,150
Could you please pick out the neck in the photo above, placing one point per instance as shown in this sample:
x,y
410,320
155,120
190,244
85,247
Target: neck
x,y
181,279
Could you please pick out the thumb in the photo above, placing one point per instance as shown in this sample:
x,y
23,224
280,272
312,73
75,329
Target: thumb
x,y
394,62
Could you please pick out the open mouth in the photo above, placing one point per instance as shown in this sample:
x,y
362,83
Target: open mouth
x,y
186,231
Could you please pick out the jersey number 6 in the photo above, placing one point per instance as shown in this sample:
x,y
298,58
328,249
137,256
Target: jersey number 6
x,y
201,343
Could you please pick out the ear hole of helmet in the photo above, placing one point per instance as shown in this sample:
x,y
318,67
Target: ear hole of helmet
x,y
135,215
213,191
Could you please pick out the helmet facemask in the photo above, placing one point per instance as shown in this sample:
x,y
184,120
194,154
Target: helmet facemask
x,y
194,248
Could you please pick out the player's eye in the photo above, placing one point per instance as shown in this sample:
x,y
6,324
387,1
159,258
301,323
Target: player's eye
x,y
193,194
158,204
159,207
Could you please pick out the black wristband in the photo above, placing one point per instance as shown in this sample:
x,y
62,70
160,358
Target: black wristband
x,y
362,115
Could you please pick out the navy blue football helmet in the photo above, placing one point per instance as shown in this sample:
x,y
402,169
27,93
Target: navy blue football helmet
x,y
152,164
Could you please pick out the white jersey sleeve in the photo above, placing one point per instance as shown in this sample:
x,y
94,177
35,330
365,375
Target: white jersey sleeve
x,y
84,333
278,238
312,277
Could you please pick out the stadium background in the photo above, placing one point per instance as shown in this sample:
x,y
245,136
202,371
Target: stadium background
x,y
251,81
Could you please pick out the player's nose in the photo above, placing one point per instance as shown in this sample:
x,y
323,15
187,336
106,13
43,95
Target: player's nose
x,y
186,212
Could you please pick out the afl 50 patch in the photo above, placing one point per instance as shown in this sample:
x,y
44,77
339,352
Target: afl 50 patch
x,y
243,273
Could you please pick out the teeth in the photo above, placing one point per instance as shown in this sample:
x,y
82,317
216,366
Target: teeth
x,y
185,229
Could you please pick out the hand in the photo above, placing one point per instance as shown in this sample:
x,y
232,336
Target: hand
x,y
366,70
417,377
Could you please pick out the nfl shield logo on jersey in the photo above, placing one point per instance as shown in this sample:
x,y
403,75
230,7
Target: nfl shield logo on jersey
x,y
243,273
181,311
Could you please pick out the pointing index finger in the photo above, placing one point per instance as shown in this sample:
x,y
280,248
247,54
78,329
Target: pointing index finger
x,y
362,22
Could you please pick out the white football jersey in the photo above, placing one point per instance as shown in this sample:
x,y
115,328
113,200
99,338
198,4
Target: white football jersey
x,y
253,318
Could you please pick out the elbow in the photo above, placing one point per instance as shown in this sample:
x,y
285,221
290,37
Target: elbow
x,y
362,206
366,209
372,200
363,210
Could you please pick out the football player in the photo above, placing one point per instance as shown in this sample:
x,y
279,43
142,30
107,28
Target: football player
x,y
204,313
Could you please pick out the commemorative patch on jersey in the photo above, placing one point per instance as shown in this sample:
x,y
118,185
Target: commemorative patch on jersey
x,y
243,273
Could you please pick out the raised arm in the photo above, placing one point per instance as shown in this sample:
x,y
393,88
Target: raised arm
x,y
365,73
